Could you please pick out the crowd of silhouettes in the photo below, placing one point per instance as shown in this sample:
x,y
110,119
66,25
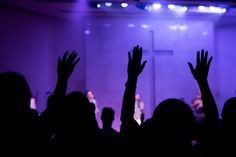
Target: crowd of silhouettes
x,y
69,126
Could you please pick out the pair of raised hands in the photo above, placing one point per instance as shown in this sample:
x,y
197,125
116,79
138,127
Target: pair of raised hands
x,y
200,72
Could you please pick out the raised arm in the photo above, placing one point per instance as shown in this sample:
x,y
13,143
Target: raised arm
x,y
200,73
135,67
65,67
48,118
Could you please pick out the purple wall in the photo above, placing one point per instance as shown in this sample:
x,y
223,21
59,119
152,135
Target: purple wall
x,y
30,45
26,42
226,55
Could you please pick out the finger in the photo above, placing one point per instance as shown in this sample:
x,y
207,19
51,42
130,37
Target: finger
x,y
74,57
198,57
206,57
76,62
129,56
71,56
65,56
209,62
143,65
191,68
202,56
140,54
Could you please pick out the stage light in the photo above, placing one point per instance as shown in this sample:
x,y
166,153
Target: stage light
x,y
171,6
211,9
184,9
178,8
173,27
156,6
98,5
145,26
124,5
148,7
204,33
223,10
214,9
87,32
178,27
182,27
130,25
202,8
108,4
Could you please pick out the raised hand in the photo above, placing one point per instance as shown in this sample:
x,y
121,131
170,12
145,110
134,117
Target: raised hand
x,y
66,65
134,65
200,72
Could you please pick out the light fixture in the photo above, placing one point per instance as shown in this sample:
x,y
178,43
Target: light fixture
x,y
108,4
98,5
124,5
171,6
156,6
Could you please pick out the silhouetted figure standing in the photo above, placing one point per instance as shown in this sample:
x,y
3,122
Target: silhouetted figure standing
x,y
107,117
19,125
229,127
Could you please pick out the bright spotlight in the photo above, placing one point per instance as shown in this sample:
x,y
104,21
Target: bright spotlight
x,y
202,8
124,5
108,4
145,26
184,9
171,6
148,7
217,9
223,10
98,5
182,27
156,6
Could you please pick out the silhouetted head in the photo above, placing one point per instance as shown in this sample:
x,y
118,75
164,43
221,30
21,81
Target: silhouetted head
x,y
78,110
229,112
15,93
174,119
107,116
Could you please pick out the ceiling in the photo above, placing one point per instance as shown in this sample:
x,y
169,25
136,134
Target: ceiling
x,y
76,8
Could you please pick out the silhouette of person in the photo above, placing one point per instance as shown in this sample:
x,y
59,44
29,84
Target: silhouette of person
x,y
19,125
107,117
228,127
